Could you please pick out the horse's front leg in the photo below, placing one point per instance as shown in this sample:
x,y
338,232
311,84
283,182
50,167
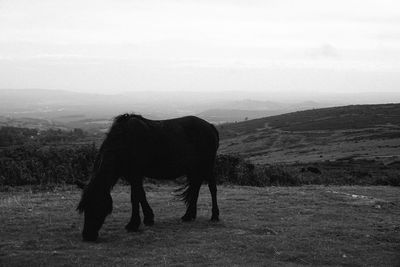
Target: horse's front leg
x,y
138,195
147,211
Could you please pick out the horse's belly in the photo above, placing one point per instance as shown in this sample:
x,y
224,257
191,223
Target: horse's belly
x,y
166,175
166,171
171,162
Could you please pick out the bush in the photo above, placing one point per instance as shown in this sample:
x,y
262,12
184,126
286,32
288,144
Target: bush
x,y
390,179
277,175
235,170
36,165
11,136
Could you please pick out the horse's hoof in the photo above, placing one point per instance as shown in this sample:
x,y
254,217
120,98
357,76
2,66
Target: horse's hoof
x,y
187,218
214,219
130,227
90,237
148,222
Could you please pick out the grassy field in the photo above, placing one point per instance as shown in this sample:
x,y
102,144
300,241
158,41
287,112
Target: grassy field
x,y
271,226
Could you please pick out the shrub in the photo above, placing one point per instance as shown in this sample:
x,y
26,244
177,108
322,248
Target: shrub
x,y
33,164
277,175
46,165
389,179
235,170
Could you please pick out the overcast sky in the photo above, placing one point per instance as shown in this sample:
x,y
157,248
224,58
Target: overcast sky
x,y
205,45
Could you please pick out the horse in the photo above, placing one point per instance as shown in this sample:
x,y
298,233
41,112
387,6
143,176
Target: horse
x,y
136,147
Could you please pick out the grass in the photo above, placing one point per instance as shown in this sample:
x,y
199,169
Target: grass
x,y
272,226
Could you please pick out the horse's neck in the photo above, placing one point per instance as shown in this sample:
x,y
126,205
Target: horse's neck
x,y
102,183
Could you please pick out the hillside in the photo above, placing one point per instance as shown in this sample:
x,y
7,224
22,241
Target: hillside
x,y
357,131
232,115
248,109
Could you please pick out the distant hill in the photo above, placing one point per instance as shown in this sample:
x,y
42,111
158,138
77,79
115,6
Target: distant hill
x,y
62,106
251,104
366,131
235,115
248,109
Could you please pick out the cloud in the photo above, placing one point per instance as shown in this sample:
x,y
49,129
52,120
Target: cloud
x,y
323,51
129,37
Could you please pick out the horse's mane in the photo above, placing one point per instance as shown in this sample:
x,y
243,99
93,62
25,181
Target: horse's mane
x,y
117,131
127,116
87,191
84,200
120,126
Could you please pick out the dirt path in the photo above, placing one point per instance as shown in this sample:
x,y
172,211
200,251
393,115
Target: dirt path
x,y
274,226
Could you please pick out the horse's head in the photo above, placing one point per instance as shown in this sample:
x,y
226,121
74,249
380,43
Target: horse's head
x,y
95,205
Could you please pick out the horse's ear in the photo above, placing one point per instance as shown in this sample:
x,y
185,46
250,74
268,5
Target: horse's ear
x,y
80,184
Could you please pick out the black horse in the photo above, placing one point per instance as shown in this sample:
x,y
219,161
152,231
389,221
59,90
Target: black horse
x,y
136,147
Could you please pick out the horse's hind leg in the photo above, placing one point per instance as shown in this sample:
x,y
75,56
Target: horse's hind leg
x,y
212,185
190,196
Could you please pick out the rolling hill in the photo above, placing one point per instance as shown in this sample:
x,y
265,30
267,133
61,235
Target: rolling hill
x,y
356,131
248,109
62,107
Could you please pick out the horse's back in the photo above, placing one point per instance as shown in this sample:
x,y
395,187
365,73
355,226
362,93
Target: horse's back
x,y
183,145
168,148
197,132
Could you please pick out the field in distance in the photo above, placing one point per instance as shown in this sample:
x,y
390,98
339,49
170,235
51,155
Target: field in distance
x,y
369,132
270,226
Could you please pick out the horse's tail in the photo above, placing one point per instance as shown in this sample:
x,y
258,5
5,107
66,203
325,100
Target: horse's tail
x,y
186,192
183,193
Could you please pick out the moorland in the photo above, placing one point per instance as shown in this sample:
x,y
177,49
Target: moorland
x,y
316,187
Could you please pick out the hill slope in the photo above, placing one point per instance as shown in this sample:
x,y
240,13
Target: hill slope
x,y
363,131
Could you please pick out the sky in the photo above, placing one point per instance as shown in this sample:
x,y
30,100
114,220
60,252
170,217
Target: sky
x,y
288,47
